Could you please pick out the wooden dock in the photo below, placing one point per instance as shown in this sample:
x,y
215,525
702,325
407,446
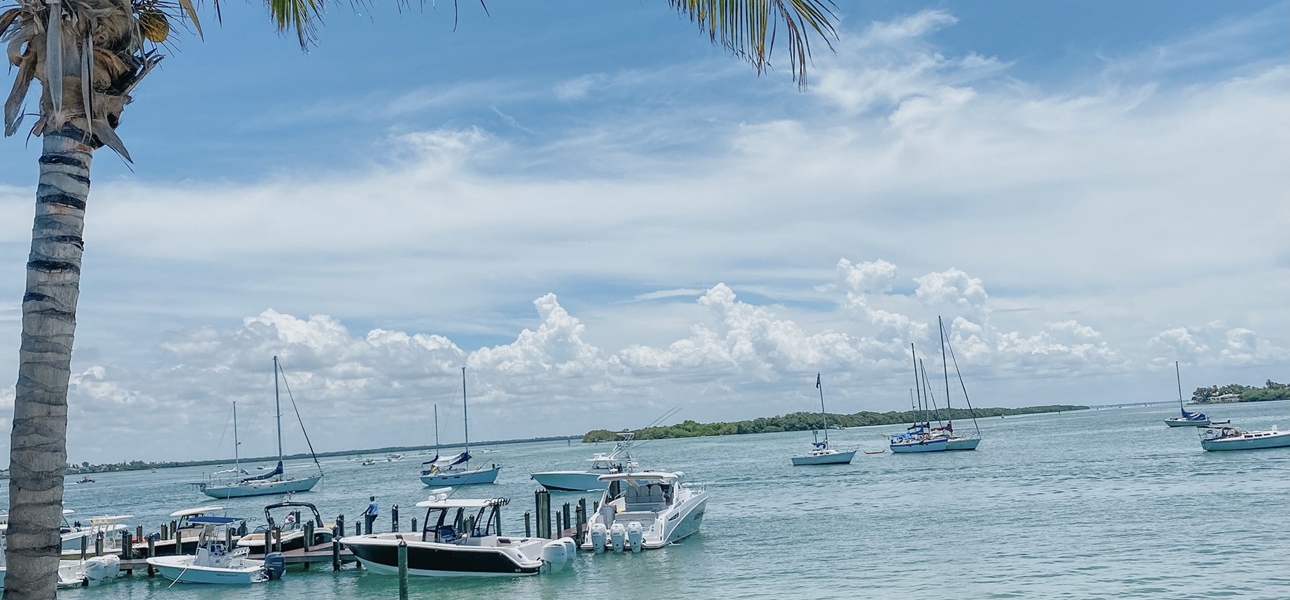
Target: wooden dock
x,y
308,557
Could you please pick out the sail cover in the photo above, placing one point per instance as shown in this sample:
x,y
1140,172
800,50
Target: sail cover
x,y
447,461
1191,416
274,473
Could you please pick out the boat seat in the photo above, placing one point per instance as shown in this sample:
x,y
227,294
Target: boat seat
x,y
648,497
446,534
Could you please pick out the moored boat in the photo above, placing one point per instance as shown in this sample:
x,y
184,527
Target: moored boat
x,y
1187,418
1216,439
820,452
448,546
215,562
644,511
292,529
455,470
618,461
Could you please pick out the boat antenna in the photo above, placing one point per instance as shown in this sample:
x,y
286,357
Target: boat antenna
x,y
672,411
966,399
300,420
823,414
945,368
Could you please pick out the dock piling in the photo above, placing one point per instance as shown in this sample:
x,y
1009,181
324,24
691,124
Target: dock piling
x,y
414,525
340,526
394,518
127,545
528,524
403,570
152,551
335,548
567,521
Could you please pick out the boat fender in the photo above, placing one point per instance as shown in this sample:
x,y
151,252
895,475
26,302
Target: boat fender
x,y
275,565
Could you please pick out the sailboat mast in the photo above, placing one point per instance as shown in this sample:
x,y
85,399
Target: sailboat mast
x,y
1178,376
945,368
236,459
277,407
823,414
918,386
465,416
436,430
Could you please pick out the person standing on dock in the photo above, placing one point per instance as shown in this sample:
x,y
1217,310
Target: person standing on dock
x,y
370,514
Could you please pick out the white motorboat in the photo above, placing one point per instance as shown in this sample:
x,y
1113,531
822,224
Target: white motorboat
x,y
215,561
460,537
77,537
643,511
232,483
1216,439
821,453
1186,418
292,528
71,573
455,470
188,533
618,461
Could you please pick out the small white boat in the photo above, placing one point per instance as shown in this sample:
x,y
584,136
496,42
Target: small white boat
x,y
71,573
1216,439
618,461
644,511
447,546
214,562
77,536
915,441
369,462
821,453
1186,419
188,533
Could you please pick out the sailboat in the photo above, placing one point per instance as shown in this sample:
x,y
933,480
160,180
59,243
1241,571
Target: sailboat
x,y
821,453
455,470
918,437
956,442
231,484
1188,419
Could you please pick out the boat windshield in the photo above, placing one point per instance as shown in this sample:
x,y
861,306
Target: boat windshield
x,y
454,525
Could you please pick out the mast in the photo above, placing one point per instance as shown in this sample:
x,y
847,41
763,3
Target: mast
x,y
465,417
236,459
945,368
918,386
1178,376
277,407
822,413
436,431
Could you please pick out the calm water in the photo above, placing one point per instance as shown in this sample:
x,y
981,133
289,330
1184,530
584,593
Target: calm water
x,y
1090,504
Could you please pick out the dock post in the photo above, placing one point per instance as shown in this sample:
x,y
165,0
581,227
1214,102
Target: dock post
x,y
85,541
567,521
340,526
528,524
414,525
152,551
559,527
394,518
165,532
138,532
542,499
335,549
403,570
98,544
358,528
174,525
228,540
179,539
127,545
497,521
581,524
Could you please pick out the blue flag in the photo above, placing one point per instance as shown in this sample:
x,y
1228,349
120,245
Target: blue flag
x,y
817,380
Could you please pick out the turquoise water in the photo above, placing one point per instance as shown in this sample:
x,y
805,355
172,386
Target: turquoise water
x,y
1090,504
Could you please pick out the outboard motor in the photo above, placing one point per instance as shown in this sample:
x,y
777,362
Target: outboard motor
x,y
635,536
570,548
275,565
554,554
617,537
598,537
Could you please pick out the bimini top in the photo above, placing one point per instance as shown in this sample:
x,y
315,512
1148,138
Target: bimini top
x,y
643,476
201,510
444,503
205,520
110,519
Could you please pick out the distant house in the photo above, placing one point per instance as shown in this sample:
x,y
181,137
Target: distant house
x,y
1225,399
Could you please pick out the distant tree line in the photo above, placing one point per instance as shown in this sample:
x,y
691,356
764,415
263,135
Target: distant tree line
x,y
1270,391
807,421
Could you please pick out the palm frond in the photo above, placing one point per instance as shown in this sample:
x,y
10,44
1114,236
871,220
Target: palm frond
x,y
300,15
748,28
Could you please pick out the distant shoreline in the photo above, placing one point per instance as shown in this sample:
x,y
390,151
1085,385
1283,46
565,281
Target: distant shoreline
x,y
808,421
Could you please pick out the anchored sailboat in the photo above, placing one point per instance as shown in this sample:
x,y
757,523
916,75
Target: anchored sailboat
x,y
455,470
1188,419
231,484
821,453
956,442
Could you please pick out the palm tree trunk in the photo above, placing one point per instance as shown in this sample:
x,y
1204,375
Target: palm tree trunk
x,y
38,445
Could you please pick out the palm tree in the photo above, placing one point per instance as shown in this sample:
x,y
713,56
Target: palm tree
x,y
87,64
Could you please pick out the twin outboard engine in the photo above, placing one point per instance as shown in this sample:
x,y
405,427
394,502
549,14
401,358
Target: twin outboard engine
x,y
558,553
617,537
275,565
635,536
599,535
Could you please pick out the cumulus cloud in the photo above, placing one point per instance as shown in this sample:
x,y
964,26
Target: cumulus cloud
x,y
1216,344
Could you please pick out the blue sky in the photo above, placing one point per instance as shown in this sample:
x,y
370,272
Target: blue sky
x,y
605,216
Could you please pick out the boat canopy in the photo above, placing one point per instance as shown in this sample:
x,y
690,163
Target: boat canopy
x,y
642,475
205,520
271,474
462,502
109,519
448,461
201,510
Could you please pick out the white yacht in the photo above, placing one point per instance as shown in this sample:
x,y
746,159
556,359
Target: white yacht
x,y
618,461
214,561
460,537
644,511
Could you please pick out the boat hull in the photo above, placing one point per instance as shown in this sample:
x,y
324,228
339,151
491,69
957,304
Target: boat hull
x,y
471,477
1277,440
966,443
262,488
570,481
938,445
834,458
1181,422
428,559
181,570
